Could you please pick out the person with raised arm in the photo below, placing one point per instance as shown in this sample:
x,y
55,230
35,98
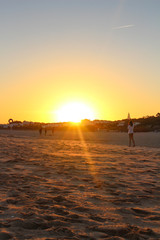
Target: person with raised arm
x,y
130,133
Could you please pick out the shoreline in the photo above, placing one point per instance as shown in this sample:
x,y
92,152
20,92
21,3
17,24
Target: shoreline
x,y
143,139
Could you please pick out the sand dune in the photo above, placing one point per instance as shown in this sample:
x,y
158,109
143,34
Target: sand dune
x,y
70,187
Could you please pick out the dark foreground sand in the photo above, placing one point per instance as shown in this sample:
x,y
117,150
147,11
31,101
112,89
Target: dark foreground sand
x,y
78,187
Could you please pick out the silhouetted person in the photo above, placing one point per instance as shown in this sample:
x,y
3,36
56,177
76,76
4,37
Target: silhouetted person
x,y
40,130
130,133
45,131
52,130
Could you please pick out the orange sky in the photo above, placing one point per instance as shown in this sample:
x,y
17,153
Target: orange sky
x,y
102,54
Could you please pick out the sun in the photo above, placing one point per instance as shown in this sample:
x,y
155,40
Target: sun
x,y
74,112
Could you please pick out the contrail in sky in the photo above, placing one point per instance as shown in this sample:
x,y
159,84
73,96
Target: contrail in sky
x,y
124,26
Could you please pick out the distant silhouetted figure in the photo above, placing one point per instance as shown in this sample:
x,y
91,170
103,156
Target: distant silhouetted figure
x,y
45,131
130,133
40,130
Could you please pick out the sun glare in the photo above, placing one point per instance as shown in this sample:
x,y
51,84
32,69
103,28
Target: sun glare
x,y
74,112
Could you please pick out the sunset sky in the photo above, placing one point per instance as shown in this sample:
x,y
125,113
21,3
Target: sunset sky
x,y
104,54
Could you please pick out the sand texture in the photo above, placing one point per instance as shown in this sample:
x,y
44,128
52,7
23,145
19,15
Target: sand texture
x,y
78,186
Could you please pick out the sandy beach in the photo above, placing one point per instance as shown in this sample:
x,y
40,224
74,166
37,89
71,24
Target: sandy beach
x,y
79,186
